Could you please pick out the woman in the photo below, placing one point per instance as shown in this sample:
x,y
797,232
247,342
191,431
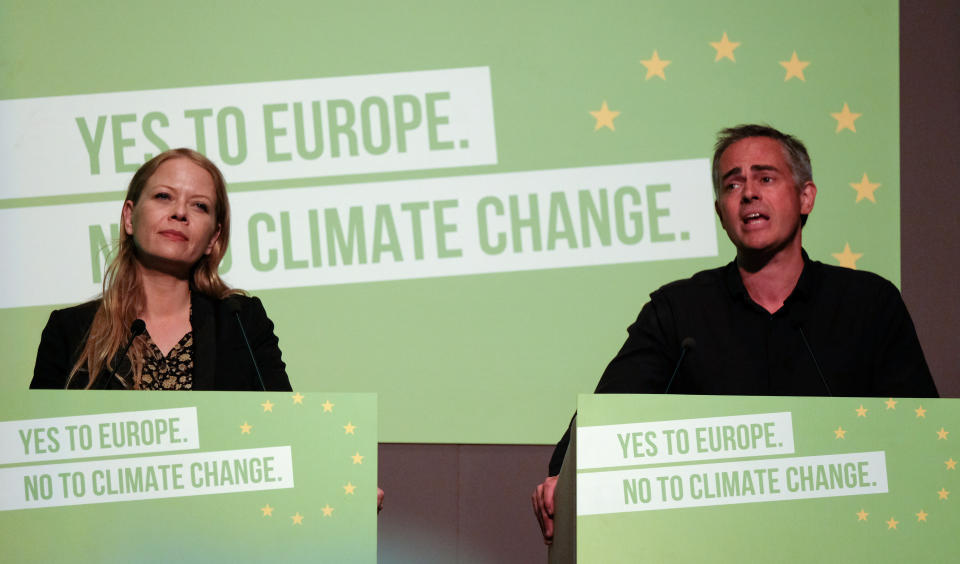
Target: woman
x,y
199,333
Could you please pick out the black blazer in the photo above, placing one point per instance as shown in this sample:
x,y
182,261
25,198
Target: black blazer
x,y
221,360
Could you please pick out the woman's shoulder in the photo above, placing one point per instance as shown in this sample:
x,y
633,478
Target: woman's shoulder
x,y
79,315
248,307
60,343
229,306
239,301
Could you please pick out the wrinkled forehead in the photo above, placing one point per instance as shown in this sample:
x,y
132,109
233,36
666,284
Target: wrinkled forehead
x,y
753,152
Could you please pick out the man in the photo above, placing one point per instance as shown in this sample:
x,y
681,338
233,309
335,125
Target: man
x,y
772,322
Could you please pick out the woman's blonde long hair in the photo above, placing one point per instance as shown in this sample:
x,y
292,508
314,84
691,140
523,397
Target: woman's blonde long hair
x,y
123,297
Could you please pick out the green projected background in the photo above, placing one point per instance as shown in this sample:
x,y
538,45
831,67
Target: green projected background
x,y
490,345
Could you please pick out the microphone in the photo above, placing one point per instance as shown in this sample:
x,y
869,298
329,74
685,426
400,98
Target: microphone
x,y
234,307
137,328
687,344
815,363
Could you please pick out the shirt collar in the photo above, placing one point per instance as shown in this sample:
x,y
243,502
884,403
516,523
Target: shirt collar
x,y
805,289
731,276
809,279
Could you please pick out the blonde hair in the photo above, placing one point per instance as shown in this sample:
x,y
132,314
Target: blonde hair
x,y
123,297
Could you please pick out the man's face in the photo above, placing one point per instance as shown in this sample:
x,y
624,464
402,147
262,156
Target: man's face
x,y
759,203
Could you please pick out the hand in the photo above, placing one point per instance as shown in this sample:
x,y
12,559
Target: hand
x,y
379,500
543,506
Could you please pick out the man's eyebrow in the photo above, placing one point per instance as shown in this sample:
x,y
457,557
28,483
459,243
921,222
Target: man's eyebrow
x,y
755,168
732,171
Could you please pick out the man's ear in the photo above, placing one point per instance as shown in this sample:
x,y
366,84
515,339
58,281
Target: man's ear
x,y
808,195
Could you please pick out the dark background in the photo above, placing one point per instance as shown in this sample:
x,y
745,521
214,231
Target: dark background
x,y
471,503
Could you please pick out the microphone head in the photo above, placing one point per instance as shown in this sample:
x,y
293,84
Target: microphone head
x,y
231,306
689,343
137,328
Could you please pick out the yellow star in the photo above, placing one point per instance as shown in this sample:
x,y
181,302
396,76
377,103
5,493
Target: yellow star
x,y
862,411
297,519
892,523
349,428
921,412
724,48
942,434
951,464
357,459
604,117
862,515
298,398
267,406
327,510
840,433
845,119
327,406
847,258
891,403
922,516
349,488
865,189
245,428
267,510
943,493
655,66
794,67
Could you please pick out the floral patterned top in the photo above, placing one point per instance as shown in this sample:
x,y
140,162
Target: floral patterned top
x,y
171,372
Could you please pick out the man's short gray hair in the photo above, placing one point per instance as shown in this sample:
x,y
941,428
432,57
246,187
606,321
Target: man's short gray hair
x,y
793,150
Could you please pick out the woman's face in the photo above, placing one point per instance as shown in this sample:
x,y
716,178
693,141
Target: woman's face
x,y
173,223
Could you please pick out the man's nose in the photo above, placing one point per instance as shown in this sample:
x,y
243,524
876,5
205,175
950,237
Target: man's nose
x,y
750,191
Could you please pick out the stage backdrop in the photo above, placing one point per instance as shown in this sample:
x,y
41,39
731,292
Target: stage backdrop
x,y
459,206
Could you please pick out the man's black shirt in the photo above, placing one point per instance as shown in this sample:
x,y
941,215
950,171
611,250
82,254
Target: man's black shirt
x,y
840,332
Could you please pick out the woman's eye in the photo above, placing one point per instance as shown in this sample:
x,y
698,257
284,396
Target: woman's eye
x,y
162,196
202,206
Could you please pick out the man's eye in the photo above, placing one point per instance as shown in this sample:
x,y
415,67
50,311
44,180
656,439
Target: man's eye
x,y
767,179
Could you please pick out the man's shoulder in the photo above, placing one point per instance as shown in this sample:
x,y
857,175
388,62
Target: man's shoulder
x,y
705,281
843,280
